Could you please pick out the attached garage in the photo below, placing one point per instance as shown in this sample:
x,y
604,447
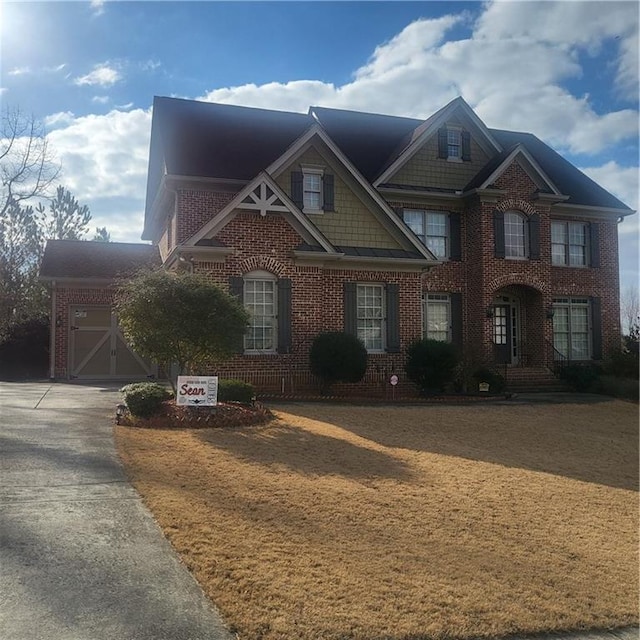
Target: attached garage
x,y
86,342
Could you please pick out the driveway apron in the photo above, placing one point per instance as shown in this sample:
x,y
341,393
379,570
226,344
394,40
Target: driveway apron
x,y
81,557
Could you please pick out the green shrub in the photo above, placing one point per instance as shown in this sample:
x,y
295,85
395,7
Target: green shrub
x,y
337,357
431,364
144,398
231,390
495,381
581,377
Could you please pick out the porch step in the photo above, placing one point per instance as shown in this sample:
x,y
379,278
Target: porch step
x,y
532,379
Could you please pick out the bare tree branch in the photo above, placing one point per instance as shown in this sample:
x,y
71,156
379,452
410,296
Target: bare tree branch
x,y
27,165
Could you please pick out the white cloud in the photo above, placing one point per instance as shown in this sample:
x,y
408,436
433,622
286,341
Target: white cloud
x,y
105,156
511,71
60,119
124,107
19,71
98,7
622,182
102,75
100,99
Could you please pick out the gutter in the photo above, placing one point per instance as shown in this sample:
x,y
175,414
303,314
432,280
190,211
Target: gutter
x,y
52,334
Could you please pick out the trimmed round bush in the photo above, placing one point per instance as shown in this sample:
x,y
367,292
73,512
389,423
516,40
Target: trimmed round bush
x,y
431,364
336,356
231,390
143,399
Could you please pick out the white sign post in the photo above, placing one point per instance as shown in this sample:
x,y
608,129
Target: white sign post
x,y
200,391
394,381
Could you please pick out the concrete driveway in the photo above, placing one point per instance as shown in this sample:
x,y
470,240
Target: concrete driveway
x,y
81,557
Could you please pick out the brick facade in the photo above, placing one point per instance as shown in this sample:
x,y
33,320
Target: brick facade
x,y
482,280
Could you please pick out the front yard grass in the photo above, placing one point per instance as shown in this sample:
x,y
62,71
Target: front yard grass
x,y
340,522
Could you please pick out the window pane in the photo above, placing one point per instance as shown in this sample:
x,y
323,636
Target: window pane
x,y
436,224
558,254
576,234
415,221
312,181
437,246
370,314
558,232
577,255
514,235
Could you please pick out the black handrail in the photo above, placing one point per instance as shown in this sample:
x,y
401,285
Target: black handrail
x,y
558,360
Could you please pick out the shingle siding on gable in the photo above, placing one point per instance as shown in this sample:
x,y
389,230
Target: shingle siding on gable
x,y
351,223
425,169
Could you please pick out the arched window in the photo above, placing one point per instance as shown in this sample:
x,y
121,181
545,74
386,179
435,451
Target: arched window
x,y
516,237
260,293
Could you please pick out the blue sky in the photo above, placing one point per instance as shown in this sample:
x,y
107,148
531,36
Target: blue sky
x,y
567,72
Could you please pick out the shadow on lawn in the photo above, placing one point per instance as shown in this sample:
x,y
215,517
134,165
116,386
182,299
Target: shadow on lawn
x,y
585,450
303,451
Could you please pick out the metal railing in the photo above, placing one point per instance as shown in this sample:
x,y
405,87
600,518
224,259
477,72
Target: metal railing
x,y
556,360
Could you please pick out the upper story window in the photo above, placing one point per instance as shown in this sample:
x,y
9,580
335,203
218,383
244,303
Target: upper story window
x,y
259,297
454,143
569,242
431,228
312,189
515,235
454,150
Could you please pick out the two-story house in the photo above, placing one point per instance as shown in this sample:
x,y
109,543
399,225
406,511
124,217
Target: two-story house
x,y
385,227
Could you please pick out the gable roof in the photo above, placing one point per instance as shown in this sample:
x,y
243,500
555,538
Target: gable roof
x,y
256,197
82,259
201,139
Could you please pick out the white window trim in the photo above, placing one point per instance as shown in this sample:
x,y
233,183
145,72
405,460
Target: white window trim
x,y
313,170
383,318
458,130
447,238
525,225
442,297
567,245
263,276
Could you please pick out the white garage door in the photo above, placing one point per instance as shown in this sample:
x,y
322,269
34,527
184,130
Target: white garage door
x,y
99,351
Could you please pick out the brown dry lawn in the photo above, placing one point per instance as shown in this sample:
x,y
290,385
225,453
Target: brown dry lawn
x,y
340,522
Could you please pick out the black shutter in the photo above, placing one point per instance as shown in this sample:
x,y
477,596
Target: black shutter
x,y
596,329
296,189
443,147
327,195
594,244
455,242
466,146
534,237
350,308
456,320
236,289
498,233
284,315
393,318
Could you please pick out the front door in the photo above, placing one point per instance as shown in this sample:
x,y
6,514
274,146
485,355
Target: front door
x,y
99,351
502,333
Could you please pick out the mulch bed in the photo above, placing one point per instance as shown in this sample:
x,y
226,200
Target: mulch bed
x,y
224,415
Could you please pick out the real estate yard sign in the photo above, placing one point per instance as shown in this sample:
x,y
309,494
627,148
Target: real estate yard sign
x,y
199,391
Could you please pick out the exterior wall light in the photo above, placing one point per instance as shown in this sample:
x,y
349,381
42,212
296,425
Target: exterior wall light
x,y
489,312
550,313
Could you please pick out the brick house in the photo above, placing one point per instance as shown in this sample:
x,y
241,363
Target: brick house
x,y
386,227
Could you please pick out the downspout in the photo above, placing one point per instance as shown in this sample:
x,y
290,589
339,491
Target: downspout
x,y
52,337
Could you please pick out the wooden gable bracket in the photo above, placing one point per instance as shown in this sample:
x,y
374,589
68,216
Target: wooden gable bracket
x,y
262,199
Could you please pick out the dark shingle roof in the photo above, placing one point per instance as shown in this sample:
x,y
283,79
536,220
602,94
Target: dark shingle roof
x,y
223,141
100,260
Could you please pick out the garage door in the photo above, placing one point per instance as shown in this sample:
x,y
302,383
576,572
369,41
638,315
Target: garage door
x,y
99,351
